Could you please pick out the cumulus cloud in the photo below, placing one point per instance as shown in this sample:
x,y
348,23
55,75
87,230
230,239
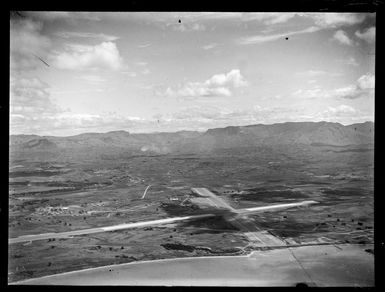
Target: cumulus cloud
x,y
77,34
342,37
27,42
232,78
364,87
78,57
365,82
257,39
368,35
217,85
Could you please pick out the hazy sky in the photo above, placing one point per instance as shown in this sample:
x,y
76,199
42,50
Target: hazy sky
x,y
145,72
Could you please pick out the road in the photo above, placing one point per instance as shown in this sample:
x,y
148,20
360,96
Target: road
x,y
28,238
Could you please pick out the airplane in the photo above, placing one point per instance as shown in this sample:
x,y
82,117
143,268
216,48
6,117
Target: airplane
x,y
236,217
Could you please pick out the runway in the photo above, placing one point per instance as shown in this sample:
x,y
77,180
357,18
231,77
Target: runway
x,y
218,202
28,238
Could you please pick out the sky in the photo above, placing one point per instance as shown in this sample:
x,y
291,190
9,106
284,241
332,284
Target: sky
x,y
77,72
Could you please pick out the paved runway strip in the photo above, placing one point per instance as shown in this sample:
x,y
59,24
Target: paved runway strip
x,y
27,238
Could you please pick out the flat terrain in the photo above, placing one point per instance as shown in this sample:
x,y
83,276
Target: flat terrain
x,y
63,194
342,265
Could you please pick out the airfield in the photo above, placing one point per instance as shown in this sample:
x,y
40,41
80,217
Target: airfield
x,y
61,195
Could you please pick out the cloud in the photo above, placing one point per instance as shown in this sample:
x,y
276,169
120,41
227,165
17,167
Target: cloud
x,y
342,37
341,110
130,73
268,18
257,39
363,88
75,34
198,113
366,82
144,45
67,123
141,63
27,42
77,91
204,117
80,57
310,93
368,35
63,15
333,20
190,17
217,85
185,27
313,73
351,61
29,101
210,46
92,78
344,114
321,21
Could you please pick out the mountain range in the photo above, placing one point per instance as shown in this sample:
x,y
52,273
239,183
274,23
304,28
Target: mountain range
x,y
289,133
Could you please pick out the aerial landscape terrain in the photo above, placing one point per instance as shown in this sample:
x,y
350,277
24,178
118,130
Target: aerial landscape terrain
x,y
59,184
185,148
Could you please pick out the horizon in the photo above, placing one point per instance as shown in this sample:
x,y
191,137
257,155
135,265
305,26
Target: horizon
x,y
154,72
249,125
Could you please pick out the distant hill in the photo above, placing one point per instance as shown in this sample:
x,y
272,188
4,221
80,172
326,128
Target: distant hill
x,y
291,133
